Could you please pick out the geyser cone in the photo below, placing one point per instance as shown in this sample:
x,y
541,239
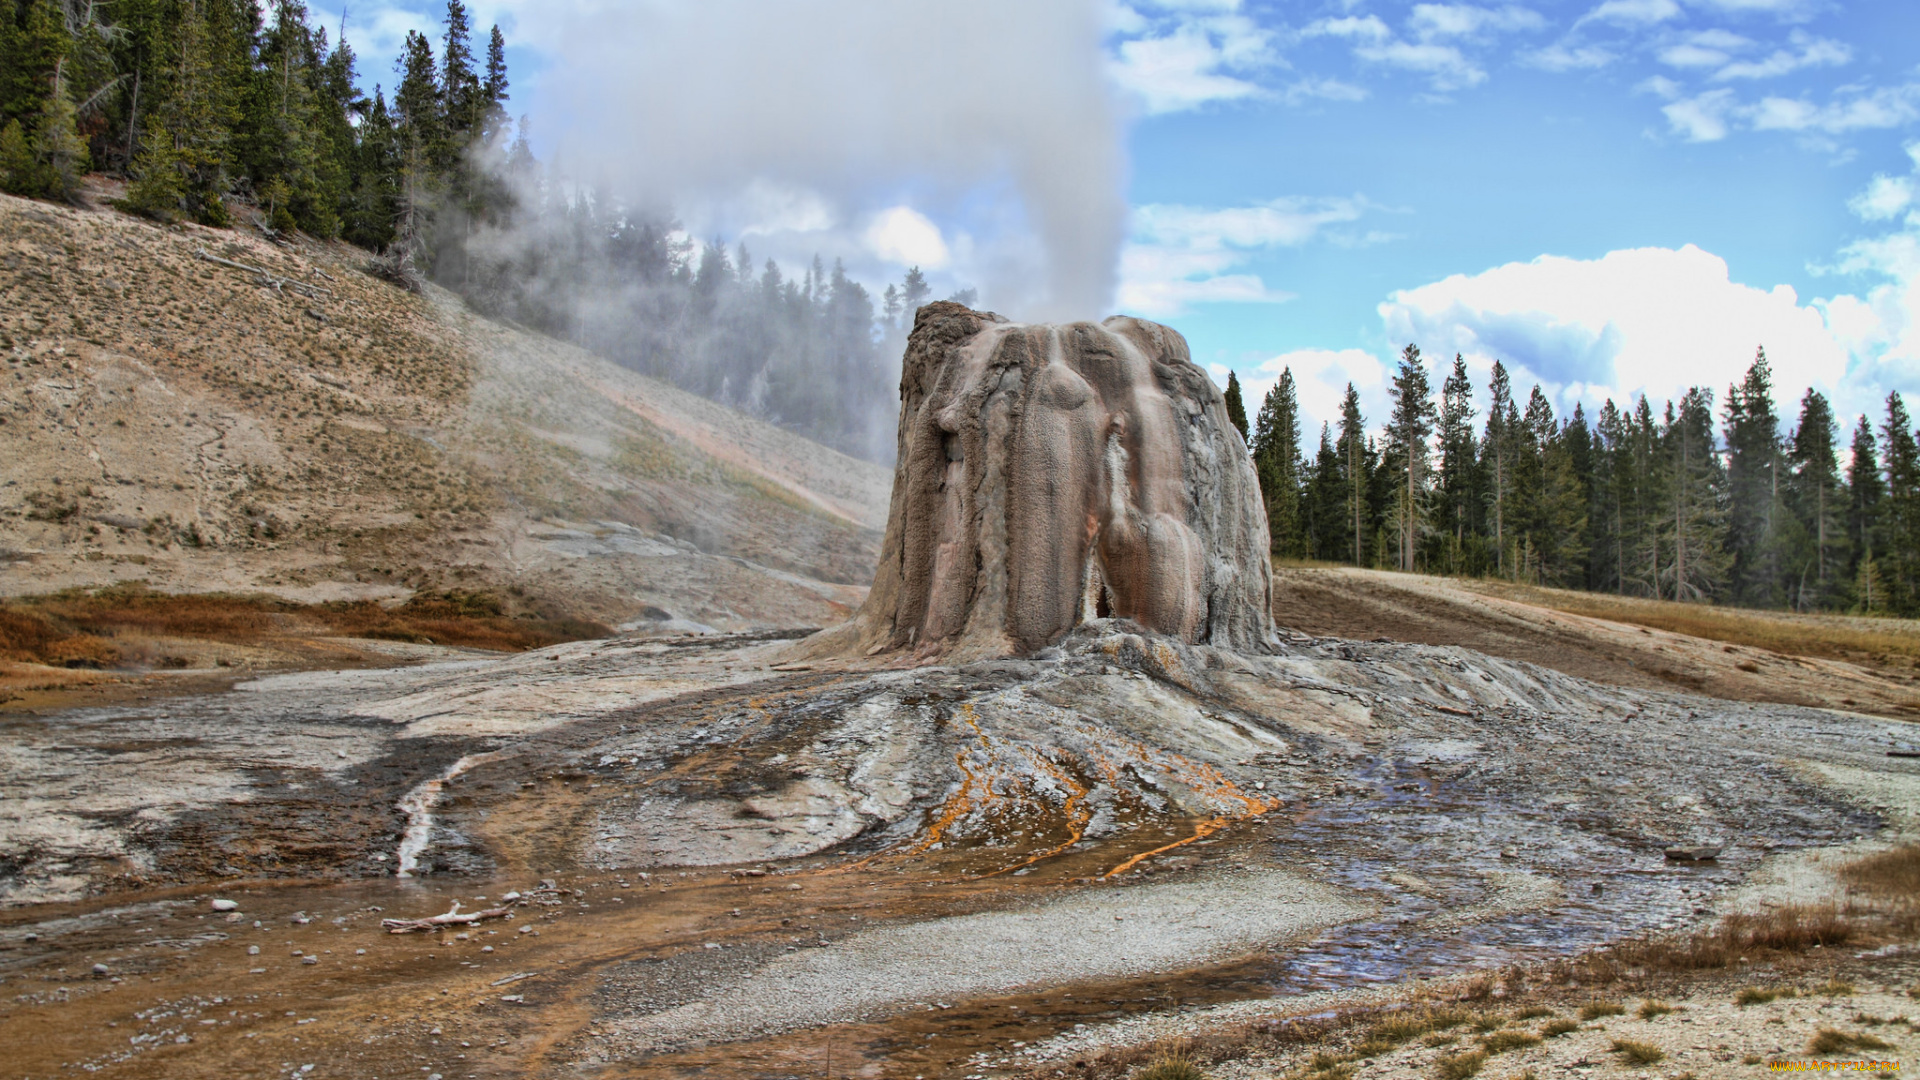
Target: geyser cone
x,y
1051,475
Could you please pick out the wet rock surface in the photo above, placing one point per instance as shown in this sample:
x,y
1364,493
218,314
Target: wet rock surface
x,y
737,826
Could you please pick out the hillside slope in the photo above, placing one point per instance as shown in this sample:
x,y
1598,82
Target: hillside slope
x,y
306,430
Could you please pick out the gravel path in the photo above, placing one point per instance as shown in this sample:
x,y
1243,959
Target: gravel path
x,y
1109,933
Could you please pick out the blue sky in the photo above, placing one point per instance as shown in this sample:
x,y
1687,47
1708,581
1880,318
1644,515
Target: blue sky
x,y
1612,196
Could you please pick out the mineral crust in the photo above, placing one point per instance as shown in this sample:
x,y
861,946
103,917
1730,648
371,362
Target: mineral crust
x,y
1053,475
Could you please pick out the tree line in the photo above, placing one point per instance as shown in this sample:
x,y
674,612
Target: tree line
x,y
202,107
1679,503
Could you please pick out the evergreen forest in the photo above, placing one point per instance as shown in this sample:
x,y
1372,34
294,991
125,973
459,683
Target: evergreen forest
x,y
1685,502
199,108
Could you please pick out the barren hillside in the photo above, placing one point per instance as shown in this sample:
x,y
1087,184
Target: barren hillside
x,y
306,430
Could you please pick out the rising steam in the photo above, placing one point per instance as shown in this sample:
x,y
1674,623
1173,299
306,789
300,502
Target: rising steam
x,y
996,111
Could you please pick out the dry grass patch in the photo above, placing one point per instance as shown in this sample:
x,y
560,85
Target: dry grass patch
x,y
1461,1066
1834,988
1173,1063
1828,1041
1783,632
1650,1009
1594,1010
1553,1029
1502,1041
1761,995
1638,1053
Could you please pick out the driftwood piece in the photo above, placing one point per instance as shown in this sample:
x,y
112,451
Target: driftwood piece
x,y
454,917
267,278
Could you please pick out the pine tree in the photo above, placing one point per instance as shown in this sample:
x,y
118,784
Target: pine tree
x,y
1754,489
1696,528
158,190
1497,457
1612,477
1458,464
1900,510
1276,460
57,147
1236,406
1864,491
1818,504
1325,505
1355,475
1408,434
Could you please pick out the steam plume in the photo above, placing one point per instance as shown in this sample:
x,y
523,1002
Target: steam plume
x,y
998,107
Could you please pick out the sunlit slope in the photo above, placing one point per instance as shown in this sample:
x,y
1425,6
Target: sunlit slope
x,y
293,425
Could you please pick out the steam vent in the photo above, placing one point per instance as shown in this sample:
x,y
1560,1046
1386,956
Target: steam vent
x,y
1050,475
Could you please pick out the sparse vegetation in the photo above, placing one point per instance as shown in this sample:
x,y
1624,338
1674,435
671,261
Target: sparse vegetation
x,y
1638,1053
1834,988
1761,995
1461,1066
1828,1041
1553,1029
1651,1009
1502,1041
1173,1063
1594,1010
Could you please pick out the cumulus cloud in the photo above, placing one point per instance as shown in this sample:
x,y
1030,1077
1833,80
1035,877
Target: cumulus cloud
x,y
1178,256
1320,379
1011,139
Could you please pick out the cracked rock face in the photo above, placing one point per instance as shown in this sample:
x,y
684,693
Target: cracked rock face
x,y
1051,475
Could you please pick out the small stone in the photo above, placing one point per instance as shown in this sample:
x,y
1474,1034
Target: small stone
x,y
99,969
253,950
527,929
359,952
225,905
1509,853
435,1031
309,959
31,937
486,948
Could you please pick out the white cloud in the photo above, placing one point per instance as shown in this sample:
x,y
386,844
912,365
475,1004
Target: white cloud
x,y
1787,10
1324,89
1633,12
1711,116
1177,256
906,237
1885,197
1183,54
1644,320
1177,72
1446,66
1887,107
1320,378
1430,21
1702,118
1359,28
1814,52
1564,57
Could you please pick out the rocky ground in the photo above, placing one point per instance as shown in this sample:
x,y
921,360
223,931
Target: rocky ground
x,y
305,430
981,869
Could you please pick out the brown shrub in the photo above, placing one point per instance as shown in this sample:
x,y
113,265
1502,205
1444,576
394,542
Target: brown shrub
x,y
1894,874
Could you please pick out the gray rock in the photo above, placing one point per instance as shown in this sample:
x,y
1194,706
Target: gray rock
x,y
1049,476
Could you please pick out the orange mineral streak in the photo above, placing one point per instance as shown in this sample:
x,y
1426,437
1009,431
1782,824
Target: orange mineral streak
x,y
1214,785
1077,815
